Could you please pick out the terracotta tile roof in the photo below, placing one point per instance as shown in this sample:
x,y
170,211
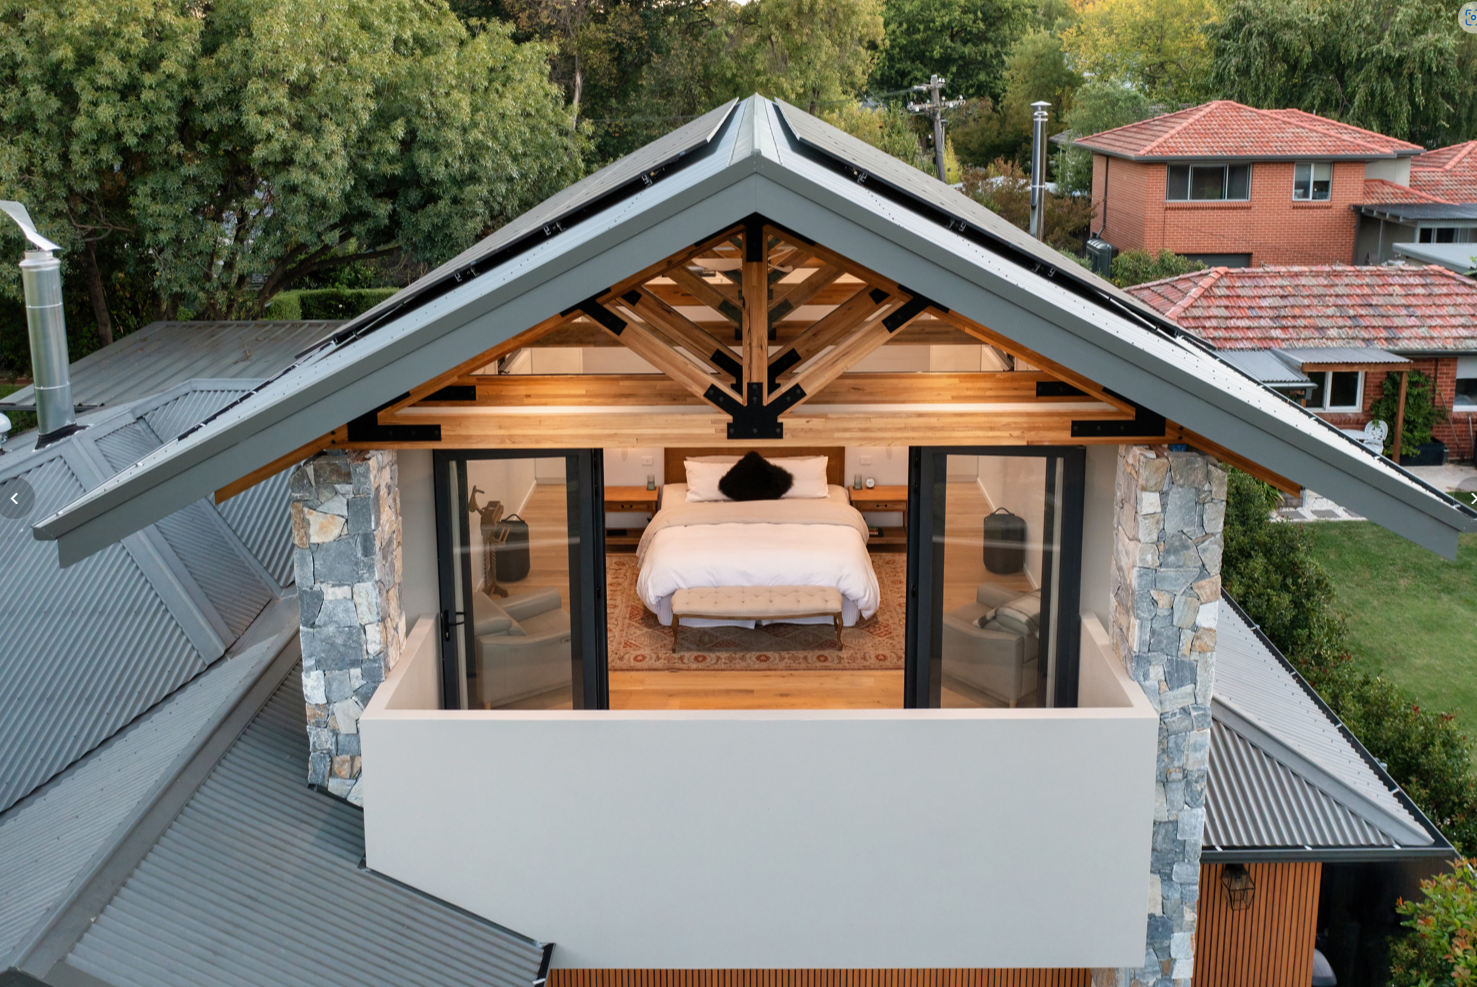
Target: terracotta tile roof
x,y
1227,129
1378,191
1448,173
1399,308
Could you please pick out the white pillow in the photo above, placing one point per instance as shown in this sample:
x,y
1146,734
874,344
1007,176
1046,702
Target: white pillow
x,y
702,480
810,477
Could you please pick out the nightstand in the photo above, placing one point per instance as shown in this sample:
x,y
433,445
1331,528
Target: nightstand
x,y
628,500
883,499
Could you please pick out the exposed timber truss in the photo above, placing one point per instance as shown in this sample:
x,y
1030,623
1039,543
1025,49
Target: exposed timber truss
x,y
755,332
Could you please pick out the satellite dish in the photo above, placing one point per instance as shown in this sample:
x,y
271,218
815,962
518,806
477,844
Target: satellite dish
x,y
17,212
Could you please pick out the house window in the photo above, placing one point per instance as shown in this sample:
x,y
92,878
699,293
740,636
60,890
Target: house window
x,y
1446,234
1466,384
1336,390
1208,182
1312,181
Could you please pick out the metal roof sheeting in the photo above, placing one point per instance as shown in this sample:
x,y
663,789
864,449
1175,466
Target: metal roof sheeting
x,y
1265,366
1282,772
48,838
163,354
261,519
90,647
86,649
257,881
1343,354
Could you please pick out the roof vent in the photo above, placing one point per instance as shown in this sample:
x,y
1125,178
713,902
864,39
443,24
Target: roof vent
x,y
41,276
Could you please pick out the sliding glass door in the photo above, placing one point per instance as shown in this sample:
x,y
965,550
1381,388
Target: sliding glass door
x,y
520,545
994,568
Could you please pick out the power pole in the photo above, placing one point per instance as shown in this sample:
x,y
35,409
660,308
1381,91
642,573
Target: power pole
x,y
935,108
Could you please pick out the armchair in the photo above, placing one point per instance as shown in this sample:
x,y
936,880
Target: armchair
x,y
522,645
998,658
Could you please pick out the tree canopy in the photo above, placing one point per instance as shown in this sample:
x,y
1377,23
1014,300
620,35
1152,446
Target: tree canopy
x,y
1096,106
1158,46
1399,67
262,140
965,41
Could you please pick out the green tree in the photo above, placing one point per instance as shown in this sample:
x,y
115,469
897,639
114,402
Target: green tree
x,y
965,41
271,138
887,129
1399,67
1036,70
1096,106
1133,267
1005,189
1440,950
1158,46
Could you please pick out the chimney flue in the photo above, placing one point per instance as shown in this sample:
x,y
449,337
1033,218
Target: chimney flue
x,y
41,277
1038,169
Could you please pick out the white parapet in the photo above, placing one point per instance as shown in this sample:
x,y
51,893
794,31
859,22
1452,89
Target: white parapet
x,y
805,838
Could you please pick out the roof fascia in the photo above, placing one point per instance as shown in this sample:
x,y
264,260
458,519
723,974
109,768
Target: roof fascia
x,y
1234,158
994,292
1327,855
1265,739
443,333
45,948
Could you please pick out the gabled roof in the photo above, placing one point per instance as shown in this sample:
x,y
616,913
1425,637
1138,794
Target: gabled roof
x,y
1287,779
162,355
1448,173
770,159
1379,191
1227,129
1417,309
88,649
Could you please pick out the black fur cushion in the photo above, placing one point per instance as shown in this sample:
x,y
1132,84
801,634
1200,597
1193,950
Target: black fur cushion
x,y
755,478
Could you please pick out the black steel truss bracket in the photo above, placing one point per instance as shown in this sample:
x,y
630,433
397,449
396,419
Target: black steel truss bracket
x,y
909,310
755,420
367,428
1057,389
592,307
1145,425
790,357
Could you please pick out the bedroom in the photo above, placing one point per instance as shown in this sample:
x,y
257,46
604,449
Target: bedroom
x,y
842,526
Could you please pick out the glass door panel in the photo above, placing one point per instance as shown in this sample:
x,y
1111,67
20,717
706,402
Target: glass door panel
x,y
519,562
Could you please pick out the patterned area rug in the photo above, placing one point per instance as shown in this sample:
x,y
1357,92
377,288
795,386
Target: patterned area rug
x,y
638,641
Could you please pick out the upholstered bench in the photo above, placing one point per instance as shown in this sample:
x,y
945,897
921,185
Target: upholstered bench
x,y
775,603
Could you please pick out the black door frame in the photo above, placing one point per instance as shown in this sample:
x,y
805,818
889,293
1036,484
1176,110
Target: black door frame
x,y
584,480
1061,569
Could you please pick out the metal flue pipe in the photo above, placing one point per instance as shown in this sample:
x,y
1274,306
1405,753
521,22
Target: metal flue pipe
x,y
41,278
1038,169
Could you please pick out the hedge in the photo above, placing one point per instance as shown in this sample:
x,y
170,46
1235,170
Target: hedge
x,y
325,303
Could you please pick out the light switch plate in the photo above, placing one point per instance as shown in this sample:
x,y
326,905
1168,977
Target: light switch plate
x,y
645,460
866,460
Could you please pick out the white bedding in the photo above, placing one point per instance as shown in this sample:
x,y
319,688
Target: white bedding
x,y
757,543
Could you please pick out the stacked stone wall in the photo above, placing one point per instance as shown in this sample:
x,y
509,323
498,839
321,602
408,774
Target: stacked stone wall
x,y
347,555
1166,585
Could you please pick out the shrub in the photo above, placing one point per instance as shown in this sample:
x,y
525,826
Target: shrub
x,y
325,303
1133,267
1441,948
1270,571
1421,413
1005,189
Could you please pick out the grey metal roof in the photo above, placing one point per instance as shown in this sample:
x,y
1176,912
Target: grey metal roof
x,y
1342,354
50,837
87,649
257,881
1419,212
164,354
753,164
1265,366
1452,256
1283,773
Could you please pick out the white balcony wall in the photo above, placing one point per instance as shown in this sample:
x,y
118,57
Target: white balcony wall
x,y
825,838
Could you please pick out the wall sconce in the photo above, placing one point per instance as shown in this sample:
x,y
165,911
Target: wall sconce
x,y
1236,879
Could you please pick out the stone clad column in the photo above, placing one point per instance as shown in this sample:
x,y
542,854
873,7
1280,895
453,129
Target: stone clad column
x,y
1166,585
346,552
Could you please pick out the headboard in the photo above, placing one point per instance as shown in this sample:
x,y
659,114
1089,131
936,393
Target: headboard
x,y
675,472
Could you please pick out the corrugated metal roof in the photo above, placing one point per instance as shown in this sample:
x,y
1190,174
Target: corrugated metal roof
x,y
257,882
90,647
1452,256
1421,212
1265,366
261,519
1282,773
49,837
163,354
86,649
1343,354
755,164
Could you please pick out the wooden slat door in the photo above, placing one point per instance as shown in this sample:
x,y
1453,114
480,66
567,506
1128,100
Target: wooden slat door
x,y
1269,944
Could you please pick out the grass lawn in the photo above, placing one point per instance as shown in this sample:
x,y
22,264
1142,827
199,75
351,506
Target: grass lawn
x,y
6,389
1412,614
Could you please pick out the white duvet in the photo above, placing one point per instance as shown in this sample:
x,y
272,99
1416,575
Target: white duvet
x,y
757,543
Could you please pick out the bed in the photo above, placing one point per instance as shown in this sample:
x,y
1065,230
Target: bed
x,y
793,542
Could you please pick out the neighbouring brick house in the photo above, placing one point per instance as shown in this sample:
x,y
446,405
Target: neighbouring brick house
x,y
1235,186
1337,331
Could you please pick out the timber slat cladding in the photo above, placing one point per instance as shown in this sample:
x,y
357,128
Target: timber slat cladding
x,y
821,978
1269,944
